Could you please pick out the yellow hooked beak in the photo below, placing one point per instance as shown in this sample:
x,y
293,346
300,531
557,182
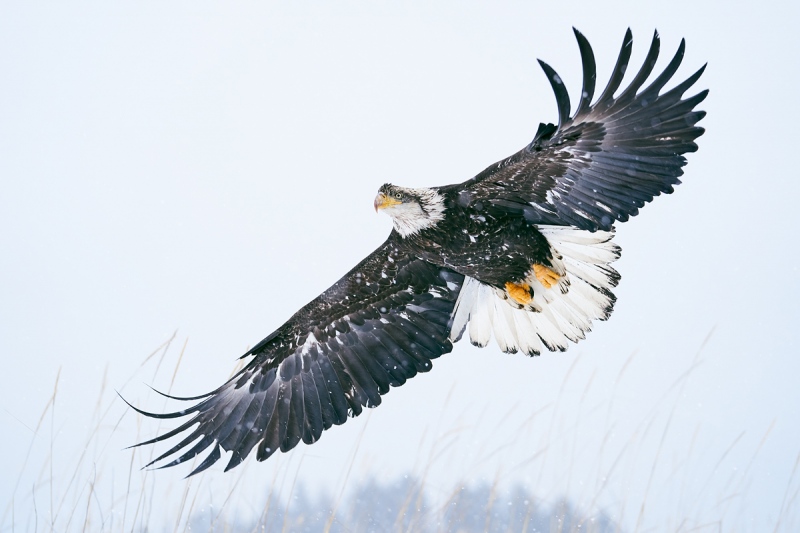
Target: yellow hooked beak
x,y
382,201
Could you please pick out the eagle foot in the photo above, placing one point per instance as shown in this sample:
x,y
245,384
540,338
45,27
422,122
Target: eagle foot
x,y
520,292
545,276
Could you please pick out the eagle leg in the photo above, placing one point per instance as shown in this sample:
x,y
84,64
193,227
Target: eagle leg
x,y
520,292
545,276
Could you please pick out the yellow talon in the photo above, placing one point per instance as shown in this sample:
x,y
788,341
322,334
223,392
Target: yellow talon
x,y
546,276
521,293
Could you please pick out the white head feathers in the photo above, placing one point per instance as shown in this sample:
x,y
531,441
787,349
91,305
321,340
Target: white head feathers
x,y
419,208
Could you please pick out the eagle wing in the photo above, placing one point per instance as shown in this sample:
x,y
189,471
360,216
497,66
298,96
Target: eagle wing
x,y
376,327
607,160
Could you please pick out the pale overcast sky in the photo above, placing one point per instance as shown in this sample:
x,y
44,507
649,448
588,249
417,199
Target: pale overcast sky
x,y
209,167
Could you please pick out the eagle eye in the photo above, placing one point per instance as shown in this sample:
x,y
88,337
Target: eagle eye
x,y
398,195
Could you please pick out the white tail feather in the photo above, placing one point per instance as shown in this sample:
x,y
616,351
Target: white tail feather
x,y
556,315
528,340
480,325
505,332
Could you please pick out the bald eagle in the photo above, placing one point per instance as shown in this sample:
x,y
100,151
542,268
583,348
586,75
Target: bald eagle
x,y
522,252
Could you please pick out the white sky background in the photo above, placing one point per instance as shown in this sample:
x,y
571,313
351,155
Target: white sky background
x,y
210,167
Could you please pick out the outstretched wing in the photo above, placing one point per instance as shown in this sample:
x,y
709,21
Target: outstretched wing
x,y
376,327
607,160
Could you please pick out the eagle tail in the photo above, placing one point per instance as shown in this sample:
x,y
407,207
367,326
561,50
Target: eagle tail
x,y
557,314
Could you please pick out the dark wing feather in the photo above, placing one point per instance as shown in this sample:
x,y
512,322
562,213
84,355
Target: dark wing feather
x,y
375,328
605,162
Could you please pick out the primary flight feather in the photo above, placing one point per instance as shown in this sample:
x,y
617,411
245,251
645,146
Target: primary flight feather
x,y
522,252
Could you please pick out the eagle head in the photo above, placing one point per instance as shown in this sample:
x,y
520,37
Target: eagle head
x,y
412,210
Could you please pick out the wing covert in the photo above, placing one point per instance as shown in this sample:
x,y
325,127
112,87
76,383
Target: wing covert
x,y
378,326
